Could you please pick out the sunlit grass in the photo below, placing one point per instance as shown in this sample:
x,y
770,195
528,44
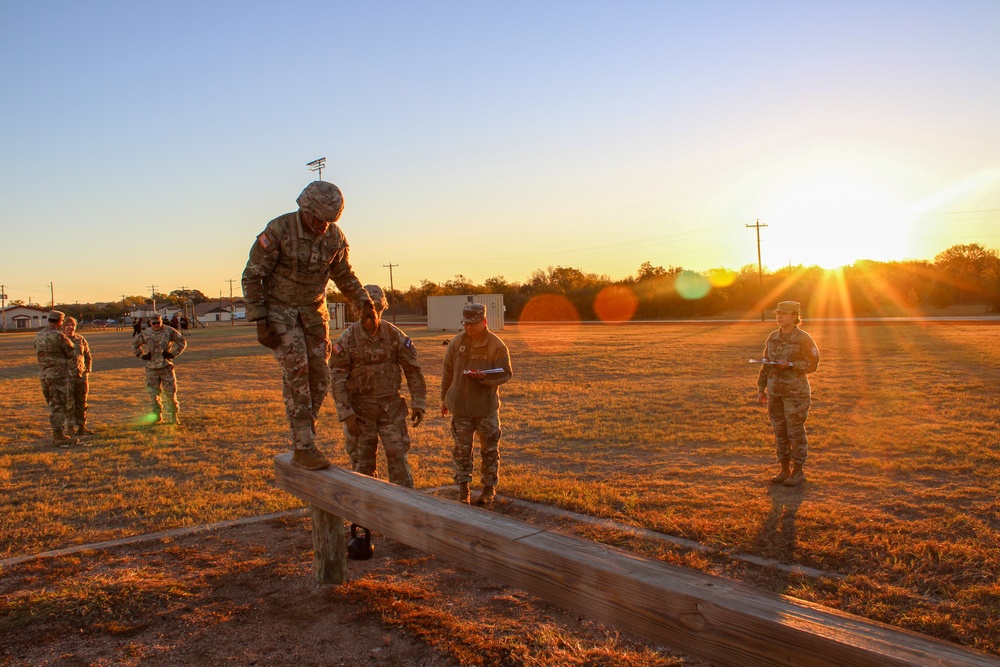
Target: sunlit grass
x,y
651,425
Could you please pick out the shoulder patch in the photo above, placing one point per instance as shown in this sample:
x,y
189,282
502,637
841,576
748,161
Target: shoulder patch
x,y
266,242
814,351
338,350
409,345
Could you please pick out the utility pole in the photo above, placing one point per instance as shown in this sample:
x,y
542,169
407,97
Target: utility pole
x,y
153,288
232,308
391,288
317,165
124,312
760,270
3,310
52,295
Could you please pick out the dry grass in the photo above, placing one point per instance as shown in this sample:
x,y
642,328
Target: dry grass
x,y
651,425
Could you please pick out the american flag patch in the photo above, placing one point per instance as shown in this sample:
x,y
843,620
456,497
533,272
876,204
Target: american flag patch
x,y
339,350
265,241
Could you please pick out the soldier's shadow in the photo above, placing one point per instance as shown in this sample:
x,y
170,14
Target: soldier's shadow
x,y
777,535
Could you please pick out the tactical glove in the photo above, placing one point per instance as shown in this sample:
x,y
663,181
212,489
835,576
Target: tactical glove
x,y
267,336
416,416
147,356
168,356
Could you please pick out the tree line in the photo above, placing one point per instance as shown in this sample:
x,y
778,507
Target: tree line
x,y
961,275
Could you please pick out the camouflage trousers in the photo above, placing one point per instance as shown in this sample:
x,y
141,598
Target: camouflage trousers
x,y
305,377
788,420
78,389
162,380
55,391
462,431
385,418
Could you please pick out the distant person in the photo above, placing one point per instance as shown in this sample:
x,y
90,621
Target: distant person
x,y
55,353
472,396
184,324
284,284
136,327
78,384
158,346
366,369
175,322
783,387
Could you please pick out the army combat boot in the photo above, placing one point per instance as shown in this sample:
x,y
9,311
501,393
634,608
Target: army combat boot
x,y
797,476
487,496
464,496
60,439
173,419
310,458
785,473
83,430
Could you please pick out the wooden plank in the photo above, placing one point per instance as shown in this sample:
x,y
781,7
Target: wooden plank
x,y
329,546
721,621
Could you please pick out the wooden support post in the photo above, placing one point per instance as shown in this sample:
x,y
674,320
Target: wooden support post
x,y
329,546
721,621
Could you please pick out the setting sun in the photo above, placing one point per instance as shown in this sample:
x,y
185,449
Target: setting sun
x,y
836,218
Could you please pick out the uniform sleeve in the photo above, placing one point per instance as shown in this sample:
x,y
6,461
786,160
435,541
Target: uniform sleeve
x,y
69,350
263,258
179,341
407,358
343,277
447,372
137,344
765,370
88,360
500,358
809,353
340,370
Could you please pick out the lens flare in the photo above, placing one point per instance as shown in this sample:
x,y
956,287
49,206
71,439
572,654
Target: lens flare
x,y
549,308
555,309
721,277
691,285
615,303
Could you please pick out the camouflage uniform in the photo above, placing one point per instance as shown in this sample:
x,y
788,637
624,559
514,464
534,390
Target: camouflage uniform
x,y
78,385
365,379
475,404
788,391
55,354
160,371
285,282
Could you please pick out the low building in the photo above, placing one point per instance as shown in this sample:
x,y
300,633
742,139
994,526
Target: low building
x,y
444,313
221,310
23,318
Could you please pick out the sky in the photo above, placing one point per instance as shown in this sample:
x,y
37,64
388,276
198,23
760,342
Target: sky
x,y
146,144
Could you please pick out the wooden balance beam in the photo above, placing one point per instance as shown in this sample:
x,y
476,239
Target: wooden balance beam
x,y
724,622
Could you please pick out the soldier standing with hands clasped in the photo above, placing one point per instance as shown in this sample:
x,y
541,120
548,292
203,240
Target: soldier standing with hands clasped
x,y
789,355
55,352
284,283
476,363
79,379
159,355
365,378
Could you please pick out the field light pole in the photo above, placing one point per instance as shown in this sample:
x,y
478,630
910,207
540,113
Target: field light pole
x,y
391,289
317,165
760,271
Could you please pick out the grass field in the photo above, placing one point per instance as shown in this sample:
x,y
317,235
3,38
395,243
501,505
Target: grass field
x,y
650,425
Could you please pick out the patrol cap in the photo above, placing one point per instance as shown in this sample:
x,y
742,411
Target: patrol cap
x,y
156,319
473,312
788,307
377,296
323,200
56,315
